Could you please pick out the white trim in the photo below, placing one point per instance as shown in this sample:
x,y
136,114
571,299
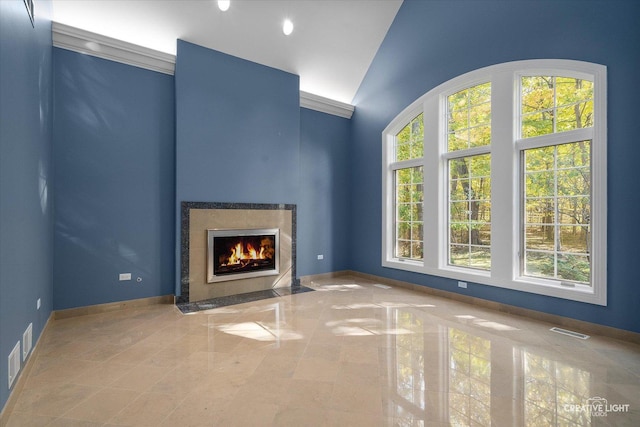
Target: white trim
x,y
505,151
326,105
82,41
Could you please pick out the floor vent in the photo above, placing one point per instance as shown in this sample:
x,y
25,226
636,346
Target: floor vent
x,y
14,363
377,285
570,333
27,341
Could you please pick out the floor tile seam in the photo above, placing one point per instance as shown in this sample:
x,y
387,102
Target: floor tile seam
x,y
80,401
140,395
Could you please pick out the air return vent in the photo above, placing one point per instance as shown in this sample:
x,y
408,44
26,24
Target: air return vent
x,y
570,333
27,341
14,363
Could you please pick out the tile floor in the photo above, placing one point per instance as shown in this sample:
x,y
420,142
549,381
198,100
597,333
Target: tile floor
x,y
350,353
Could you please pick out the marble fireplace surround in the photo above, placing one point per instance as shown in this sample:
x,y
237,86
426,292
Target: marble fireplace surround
x,y
197,217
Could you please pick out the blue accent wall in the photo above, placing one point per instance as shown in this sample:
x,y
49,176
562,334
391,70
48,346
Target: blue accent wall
x,y
237,130
323,208
114,157
25,176
431,42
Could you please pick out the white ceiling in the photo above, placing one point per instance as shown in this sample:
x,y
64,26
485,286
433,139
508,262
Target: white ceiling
x,y
331,47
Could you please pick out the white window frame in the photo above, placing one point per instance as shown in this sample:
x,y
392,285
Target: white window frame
x,y
506,191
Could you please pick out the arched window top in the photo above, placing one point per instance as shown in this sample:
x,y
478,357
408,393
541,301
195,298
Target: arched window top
x,y
498,177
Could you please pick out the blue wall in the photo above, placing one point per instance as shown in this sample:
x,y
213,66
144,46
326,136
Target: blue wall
x,y
114,181
126,147
431,42
323,208
237,130
25,176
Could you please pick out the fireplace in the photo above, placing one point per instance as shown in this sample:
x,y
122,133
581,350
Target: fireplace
x,y
242,253
198,279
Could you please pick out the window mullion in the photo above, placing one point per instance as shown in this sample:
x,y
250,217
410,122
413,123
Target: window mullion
x,y
433,135
504,231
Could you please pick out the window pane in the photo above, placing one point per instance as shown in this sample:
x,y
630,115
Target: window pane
x,y
551,104
537,124
460,211
480,258
469,118
409,142
539,210
470,212
574,238
575,268
459,255
540,184
537,94
479,136
408,215
539,237
557,212
539,264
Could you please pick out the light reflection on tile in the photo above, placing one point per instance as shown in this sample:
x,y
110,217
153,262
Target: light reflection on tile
x,y
350,353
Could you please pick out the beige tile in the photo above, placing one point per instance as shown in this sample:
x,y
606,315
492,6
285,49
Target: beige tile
x,y
102,374
237,414
359,354
356,398
348,354
198,410
149,409
52,399
103,405
23,419
365,374
301,416
316,370
323,351
139,378
309,394
68,422
274,365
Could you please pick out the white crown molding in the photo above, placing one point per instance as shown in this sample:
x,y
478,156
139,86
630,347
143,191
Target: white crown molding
x,y
83,41
89,43
326,105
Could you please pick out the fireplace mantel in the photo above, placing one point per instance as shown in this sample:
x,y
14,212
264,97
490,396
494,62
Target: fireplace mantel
x,y
198,217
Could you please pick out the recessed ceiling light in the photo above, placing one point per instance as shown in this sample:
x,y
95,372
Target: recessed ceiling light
x,y
287,27
223,5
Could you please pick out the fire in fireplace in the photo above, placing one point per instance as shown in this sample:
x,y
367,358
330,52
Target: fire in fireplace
x,y
239,254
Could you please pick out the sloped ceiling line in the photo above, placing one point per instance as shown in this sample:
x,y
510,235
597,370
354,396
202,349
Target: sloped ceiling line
x,y
86,42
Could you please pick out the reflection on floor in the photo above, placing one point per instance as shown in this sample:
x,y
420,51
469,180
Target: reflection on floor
x,y
351,353
191,307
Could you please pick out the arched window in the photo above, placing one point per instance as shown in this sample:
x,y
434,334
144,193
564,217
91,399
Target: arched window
x,y
498,177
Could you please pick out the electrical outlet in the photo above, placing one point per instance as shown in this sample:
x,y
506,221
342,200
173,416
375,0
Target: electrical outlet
x,y
320,256
462,285
124,276
38,304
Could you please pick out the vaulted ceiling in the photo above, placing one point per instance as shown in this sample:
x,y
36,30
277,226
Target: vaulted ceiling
x,y
331,47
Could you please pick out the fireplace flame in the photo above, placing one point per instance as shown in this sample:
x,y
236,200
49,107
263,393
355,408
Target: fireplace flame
x,y
239,254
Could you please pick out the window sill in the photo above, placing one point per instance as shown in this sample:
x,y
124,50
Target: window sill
x,y
580,293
